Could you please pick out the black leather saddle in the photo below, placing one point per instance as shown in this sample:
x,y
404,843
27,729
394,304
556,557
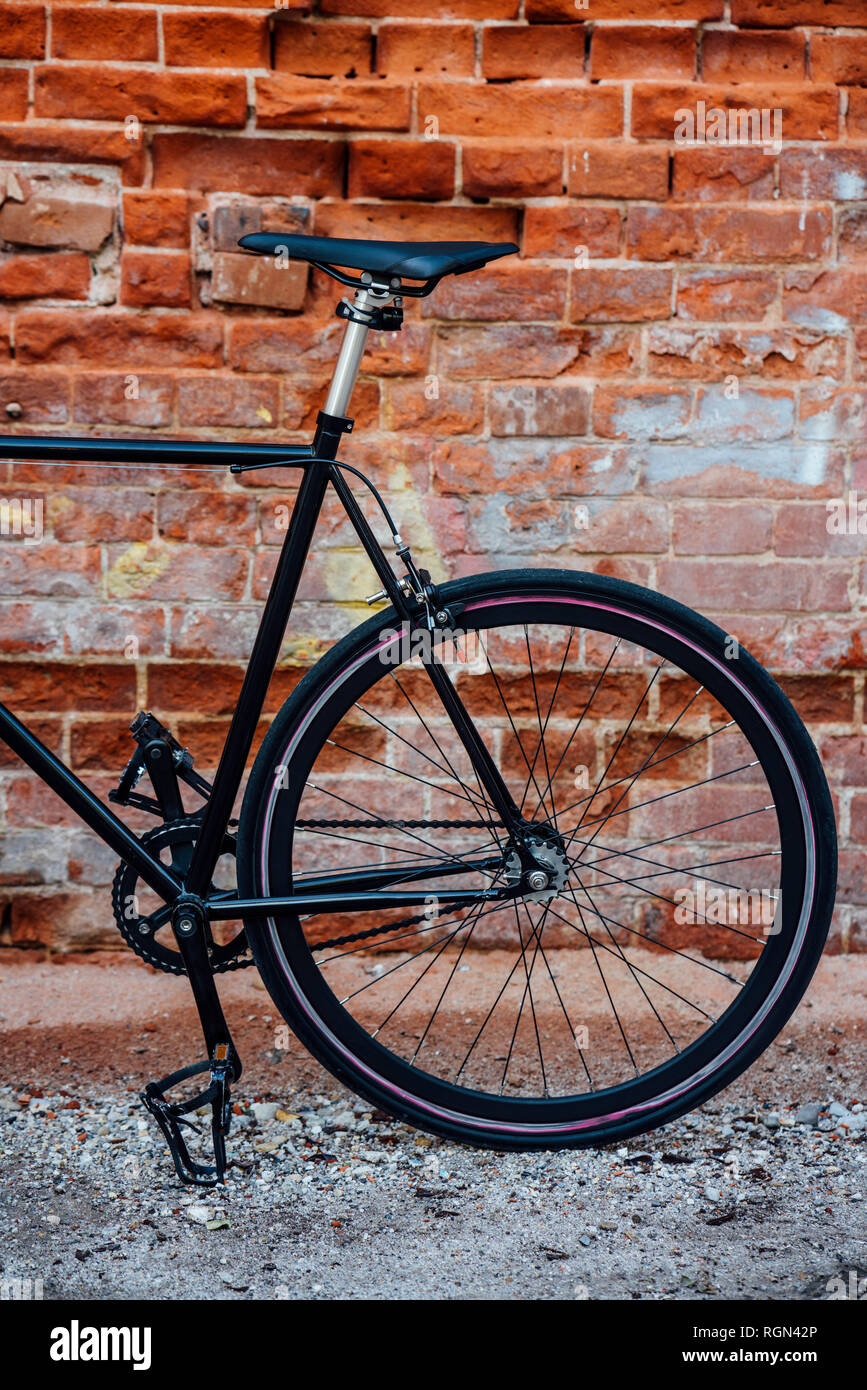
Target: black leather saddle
x,y
414,260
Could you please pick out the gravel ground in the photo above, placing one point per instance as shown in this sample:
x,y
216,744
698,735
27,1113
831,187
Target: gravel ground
x,y
328,1200
762,1194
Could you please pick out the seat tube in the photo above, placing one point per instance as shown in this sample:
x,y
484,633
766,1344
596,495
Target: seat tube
x,y
351,352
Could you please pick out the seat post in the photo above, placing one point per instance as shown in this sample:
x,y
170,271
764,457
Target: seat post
x,y
364,304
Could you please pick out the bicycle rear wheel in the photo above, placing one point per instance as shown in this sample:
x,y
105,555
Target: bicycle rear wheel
x,y
674,797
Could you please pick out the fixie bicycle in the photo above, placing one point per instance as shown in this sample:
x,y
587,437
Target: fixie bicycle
x,y
530,859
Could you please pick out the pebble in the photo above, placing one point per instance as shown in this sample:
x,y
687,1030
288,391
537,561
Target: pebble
x,y
808,1115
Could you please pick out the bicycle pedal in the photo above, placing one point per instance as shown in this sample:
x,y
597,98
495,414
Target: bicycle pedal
x,y
172,1115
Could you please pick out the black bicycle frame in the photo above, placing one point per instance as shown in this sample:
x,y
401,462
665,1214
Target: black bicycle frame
x,y
318,463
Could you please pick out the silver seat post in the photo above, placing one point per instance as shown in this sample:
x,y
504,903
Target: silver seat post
x,y
352,351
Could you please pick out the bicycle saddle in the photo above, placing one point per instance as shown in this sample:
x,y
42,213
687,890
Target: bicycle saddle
x,y
417,260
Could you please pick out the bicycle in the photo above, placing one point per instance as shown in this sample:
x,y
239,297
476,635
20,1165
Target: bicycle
x,y
496,857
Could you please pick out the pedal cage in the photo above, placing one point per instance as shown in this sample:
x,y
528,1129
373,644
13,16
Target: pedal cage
x,y
170,1116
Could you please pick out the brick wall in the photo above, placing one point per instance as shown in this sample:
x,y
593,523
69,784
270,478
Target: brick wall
x,y
682,345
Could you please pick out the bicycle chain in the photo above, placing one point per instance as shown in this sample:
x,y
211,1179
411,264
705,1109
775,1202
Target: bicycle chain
x,y
390,824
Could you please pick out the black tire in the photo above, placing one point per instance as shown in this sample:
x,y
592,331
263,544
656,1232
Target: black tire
x,y
766,999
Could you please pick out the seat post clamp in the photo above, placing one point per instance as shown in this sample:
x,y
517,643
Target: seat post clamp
x,y
387,317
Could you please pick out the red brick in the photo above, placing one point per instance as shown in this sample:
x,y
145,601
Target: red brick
x,y
838,172
778,14
755,57
551,11
216,40
239,278
611,171
705,528
719,234
417,221
105,35
512,51
101,514
856,116
723,175
621,294
540,408
426,50
458,410
840,58
57,143
537,111
55,686
98,92
420,9
23,32
65,275
226,401
808,112
779,586
401,169
830,299
4,336
641,412
505,169
81,223
218,517
522,292
123,398
718,295
155,340
634,51
43,396
312,168
315,103
13,94
156,218
322,50
156,279
802,529
560,231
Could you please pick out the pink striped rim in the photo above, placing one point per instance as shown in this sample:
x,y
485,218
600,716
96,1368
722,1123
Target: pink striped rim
x,y
494,1126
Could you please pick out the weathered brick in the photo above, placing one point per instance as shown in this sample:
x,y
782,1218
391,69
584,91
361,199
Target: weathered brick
x,y
539,111
94,91
605,170
621,294
23,31
157,340
65,275
546,408
552,11
321,50
217,518
43,396
522,292
719,234
216,40
229,401
840,58
401,169
756,57
458,410
240,278
45,220
726,294
56,143
635,51
100,515
787,585
407,221
13,94
781,13
641,412
570,231
104,35
156,218
723,175
255,166
830,299
504,169
420,9
512,51
808,112
738,528
752,415
155,278
123,398
316,103
425,50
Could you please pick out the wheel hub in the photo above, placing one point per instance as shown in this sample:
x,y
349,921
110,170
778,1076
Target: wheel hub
x,y
548,876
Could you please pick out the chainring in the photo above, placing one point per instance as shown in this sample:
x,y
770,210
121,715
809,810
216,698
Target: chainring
x,y
139,931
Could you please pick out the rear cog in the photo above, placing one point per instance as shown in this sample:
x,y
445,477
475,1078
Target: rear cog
x,y
140,929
